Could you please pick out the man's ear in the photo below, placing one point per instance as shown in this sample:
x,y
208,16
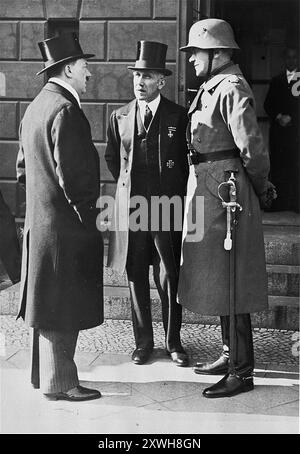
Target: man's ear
x,y
68,70
161,83
217,54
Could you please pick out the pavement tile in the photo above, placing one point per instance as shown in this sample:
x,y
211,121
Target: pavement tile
x,y
197,403
283,366
282,374
111,359
109,388
266,396
287,409
84,360
163,391
21,359
8,352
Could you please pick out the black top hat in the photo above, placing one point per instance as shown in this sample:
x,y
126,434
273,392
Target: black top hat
x,y
59,49
152,56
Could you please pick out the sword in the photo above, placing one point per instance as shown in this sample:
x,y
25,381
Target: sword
x,y
229,245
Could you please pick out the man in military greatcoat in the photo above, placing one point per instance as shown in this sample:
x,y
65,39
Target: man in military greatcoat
x,y
147,155
224,135
61,283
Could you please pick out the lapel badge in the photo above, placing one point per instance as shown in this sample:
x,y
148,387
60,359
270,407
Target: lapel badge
x,y
171,130
170,164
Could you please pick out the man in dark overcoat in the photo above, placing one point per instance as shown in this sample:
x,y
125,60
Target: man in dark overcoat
x,y
10,253
147,155
224,135
61,285
282,106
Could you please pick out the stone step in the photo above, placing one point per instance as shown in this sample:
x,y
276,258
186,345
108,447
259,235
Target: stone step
x,y
282,279
283,311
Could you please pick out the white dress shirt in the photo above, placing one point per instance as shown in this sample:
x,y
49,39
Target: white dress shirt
x,y
153,106
67,86
290,75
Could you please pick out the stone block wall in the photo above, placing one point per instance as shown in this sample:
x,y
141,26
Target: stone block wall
x,y
107,28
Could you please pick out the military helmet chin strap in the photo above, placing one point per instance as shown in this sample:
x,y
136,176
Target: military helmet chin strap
x,y
210,60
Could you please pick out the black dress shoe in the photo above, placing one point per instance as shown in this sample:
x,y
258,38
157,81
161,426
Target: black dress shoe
x,y
230,385
180,358
77,394
218,367
141,355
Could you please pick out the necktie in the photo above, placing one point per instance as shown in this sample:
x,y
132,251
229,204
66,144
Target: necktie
x,y
148,117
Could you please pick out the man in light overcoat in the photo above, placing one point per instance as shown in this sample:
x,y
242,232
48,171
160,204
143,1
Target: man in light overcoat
x,y
224,135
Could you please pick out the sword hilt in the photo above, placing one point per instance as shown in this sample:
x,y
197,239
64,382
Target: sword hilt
x,y
230,206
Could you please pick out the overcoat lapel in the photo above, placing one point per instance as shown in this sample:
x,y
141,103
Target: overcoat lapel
x,y
126,122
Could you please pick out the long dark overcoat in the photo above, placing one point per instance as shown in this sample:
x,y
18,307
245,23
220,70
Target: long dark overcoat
x,y
223,118
284,142
10,253
61,284
172,163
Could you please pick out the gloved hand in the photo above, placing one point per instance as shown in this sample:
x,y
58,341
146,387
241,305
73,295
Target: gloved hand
x,y
267,197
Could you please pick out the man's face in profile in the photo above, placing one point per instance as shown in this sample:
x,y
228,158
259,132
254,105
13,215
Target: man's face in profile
x,y
291,59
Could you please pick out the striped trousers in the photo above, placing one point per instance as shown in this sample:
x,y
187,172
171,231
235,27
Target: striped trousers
x,y
53,369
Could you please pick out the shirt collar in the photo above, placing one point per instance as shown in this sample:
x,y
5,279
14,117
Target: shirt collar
x,y
67,86
227,71
153,105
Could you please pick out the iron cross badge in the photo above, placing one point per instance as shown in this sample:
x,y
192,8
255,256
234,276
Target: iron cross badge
x,y
170,164
171,130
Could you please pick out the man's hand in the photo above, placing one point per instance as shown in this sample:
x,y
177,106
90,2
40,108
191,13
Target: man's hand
x,y
283,120
267,197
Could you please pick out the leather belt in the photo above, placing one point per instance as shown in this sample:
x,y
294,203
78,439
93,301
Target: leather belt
x,y
196,157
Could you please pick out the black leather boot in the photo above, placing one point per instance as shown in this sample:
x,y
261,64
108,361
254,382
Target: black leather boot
x,y
230,385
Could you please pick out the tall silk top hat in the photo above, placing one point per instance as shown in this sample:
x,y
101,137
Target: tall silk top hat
x,y
60,49
152,56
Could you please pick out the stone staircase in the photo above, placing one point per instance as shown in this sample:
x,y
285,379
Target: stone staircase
x,y
282,245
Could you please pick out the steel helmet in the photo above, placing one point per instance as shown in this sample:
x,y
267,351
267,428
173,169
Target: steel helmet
x,y
210,34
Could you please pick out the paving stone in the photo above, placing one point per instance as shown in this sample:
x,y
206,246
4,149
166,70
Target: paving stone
x,y
287,409
160,391
196,401
265,397
273,348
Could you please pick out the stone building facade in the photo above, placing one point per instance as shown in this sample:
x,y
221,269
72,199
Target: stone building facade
x,y
107,28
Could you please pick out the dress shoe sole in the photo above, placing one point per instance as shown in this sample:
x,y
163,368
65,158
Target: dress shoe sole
x,y
184,363
139,363
208,372
245,389
73,399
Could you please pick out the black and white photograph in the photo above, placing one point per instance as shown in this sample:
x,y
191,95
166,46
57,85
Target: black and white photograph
x,y
149,220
